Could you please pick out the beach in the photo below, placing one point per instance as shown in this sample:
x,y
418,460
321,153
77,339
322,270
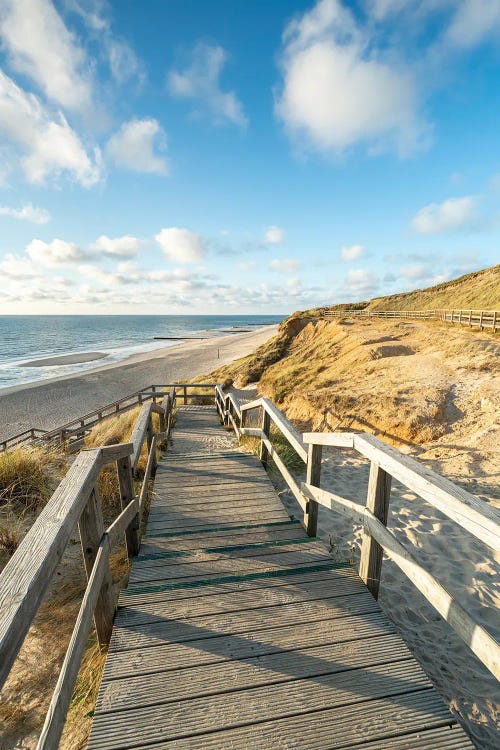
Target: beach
x,y
49,403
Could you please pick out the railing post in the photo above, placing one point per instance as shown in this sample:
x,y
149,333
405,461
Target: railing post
x,y
266,429
127,494
91,528
149,440
377,501
314,454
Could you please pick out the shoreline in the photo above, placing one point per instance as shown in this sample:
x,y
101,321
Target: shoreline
x,y
47,403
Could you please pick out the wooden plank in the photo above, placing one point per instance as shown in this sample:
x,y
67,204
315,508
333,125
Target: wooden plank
x,y
330,439
235,601
307,574
167,656
238,536
473,514
158,631
61,698
247,707
139,433
160,558
179,521
146,571
225,677
27,575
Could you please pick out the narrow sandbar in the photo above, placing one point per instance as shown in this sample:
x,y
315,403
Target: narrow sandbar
x,y
66,359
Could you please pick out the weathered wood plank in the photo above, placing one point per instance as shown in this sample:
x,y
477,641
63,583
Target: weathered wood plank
x,y
157,631
225,677
254,705
27,575
235,601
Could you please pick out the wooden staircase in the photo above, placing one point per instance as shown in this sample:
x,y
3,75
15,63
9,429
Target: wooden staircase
x,y
237,630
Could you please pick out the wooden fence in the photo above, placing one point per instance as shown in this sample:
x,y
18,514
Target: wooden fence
x,y
26,577
72,433
478,318
386,463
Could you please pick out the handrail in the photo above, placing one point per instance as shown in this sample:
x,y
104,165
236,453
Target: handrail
x,y
79,426
26,577
477,638
281,422
481,318
386,463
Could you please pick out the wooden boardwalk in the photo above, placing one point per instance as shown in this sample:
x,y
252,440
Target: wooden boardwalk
x,y
238,631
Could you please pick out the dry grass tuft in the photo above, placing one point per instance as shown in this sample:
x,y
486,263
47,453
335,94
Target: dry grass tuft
x,y
25,476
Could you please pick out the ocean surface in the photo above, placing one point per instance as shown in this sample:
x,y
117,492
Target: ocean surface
x,y
24,338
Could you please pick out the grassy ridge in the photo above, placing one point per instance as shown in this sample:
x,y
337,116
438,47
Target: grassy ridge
x,y
479,290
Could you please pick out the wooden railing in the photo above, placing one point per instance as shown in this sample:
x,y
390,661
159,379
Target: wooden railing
x,y
386,464
72,433
480,318
26,577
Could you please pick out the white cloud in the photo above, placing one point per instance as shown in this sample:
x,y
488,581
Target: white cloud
x,y
414,272
134,146
452,214
352,253
123,61
181,245
55,253
361,281
123,247
40,46
274,235
27,213
473,21
16,267
48,144
200,81
338,90
284,265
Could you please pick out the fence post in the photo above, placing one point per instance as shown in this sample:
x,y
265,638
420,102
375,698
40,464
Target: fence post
x,y
377,501
184,393
127,494
313,476
481,320
91,528
470,318
495,321
266,429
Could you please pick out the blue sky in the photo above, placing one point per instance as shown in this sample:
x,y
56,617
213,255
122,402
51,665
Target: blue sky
x,y
186,156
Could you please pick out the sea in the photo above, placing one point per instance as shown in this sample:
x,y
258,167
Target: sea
x,y
24,338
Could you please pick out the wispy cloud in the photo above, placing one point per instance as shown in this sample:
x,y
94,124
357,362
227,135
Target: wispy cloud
x,y
26,213
200,82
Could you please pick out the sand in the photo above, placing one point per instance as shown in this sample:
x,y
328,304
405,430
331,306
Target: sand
x,y
49,403
66,359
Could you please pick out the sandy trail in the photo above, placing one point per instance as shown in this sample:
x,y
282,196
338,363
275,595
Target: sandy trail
x,y
49,403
